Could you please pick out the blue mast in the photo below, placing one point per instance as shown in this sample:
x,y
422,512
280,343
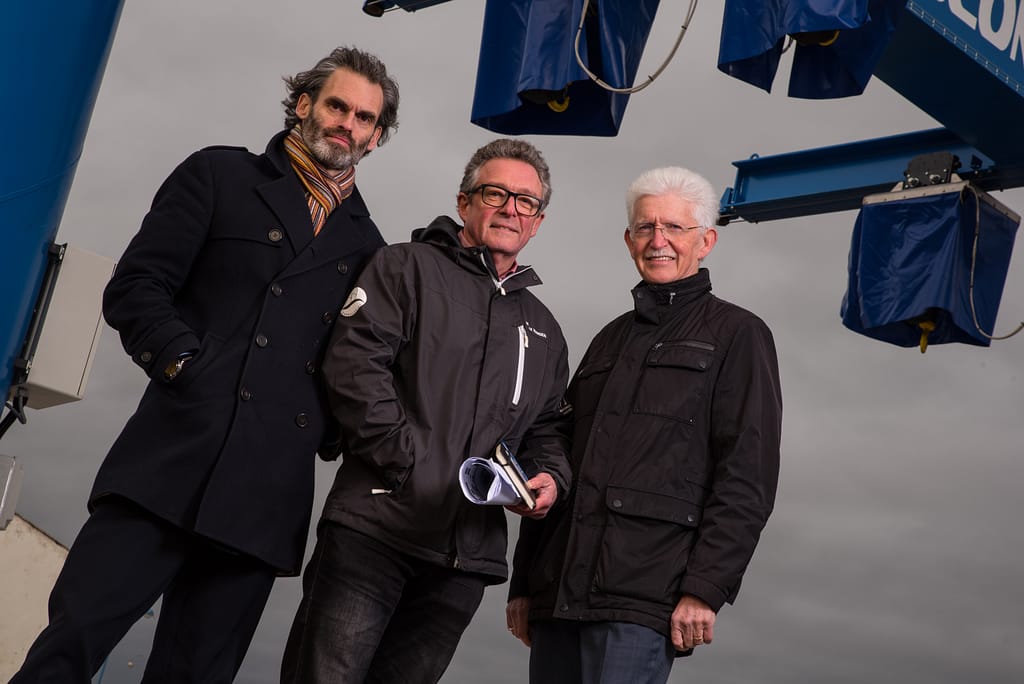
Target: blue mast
x,y
54,52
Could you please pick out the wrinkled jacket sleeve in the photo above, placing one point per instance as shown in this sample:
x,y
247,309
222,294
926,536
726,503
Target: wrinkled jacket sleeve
x,y
358,370
746,430
138,301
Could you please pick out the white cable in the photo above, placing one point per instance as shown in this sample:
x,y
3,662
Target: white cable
x,y
974,261
650,79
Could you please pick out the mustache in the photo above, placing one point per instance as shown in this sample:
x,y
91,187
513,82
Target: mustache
x,y
338,133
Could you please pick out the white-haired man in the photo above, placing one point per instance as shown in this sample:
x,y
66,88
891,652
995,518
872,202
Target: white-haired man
x,y
677,414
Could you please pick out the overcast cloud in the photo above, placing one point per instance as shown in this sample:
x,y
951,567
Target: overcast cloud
x,y
896,549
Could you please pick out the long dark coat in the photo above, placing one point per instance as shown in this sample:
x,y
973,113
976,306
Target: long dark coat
x,y
226,263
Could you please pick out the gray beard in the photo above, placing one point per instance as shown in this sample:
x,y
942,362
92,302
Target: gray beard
x,y
329,155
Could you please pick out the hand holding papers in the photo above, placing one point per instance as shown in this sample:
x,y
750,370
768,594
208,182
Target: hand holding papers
x,y
497,480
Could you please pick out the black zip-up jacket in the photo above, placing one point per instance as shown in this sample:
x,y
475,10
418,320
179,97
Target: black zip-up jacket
x,y
442,362
678,419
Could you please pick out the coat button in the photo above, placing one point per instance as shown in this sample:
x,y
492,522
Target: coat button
x,y
276,290
261,340
327,318
302,420
245,394
342,267
275,235
146,357
310,368
617,503
690,517
564,608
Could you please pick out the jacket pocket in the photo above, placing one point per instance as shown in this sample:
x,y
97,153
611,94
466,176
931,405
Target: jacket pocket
x,y
646,543
197,366
675,379
530,370
588,384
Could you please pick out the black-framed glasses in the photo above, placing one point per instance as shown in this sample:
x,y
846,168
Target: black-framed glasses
x,y
671,231
497,196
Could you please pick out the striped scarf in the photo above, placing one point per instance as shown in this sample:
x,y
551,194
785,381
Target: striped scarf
x,y
324,191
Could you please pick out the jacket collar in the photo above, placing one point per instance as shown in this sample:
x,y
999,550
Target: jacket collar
x,y
443,232
277,156
652,302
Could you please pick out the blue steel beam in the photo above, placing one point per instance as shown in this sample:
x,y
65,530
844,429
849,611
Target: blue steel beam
x,y
962,62
54,52
837,178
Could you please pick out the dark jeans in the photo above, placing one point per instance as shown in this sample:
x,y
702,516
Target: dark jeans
x,y
566,652
121,562
371,614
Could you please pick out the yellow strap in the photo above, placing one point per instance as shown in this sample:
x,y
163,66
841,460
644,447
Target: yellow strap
x,y
829,41
926,327
559,106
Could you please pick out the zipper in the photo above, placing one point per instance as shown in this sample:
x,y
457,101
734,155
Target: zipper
x,y
524,343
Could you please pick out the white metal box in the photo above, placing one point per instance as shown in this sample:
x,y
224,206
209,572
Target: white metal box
x,y
70,330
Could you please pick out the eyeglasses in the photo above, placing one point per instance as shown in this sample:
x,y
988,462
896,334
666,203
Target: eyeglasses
x,y
671,231
497,196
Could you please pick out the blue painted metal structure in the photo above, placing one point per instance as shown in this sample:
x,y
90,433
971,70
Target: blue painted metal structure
x,y
960,61
62,47
837,178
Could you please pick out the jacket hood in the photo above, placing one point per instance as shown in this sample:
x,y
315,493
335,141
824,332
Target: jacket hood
x,y
443,232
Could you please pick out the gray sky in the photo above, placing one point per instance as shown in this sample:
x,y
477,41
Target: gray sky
x,y
895,552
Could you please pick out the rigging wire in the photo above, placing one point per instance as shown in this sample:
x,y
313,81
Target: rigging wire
x,y
974,261
650,79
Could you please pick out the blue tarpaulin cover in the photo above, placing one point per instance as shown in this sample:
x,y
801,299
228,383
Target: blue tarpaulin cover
x,y
527,57
911,259
754,33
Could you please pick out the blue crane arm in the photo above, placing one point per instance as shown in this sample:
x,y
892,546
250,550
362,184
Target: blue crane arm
x,y
836,178
962,62
54,51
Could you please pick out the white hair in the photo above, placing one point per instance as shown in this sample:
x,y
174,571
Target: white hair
x,y
687,185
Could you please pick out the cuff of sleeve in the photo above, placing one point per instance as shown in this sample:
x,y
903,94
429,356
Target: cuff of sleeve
x,y
517,587
155,364
705,591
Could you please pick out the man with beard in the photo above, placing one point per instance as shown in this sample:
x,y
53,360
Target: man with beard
x,y
677,421
225,298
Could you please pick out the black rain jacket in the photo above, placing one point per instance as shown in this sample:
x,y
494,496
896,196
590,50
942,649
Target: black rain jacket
x,y
677,424
433,360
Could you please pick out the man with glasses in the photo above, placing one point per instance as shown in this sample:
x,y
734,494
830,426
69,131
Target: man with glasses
x,y
677,415
441,353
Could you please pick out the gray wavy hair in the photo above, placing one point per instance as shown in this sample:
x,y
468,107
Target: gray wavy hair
x,y
363,63
508,148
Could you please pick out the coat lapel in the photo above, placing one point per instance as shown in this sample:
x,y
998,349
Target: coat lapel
x,y
343,232
287,200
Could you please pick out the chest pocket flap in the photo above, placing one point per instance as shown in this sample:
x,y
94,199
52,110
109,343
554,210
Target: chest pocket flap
x,y
690,354
664,507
